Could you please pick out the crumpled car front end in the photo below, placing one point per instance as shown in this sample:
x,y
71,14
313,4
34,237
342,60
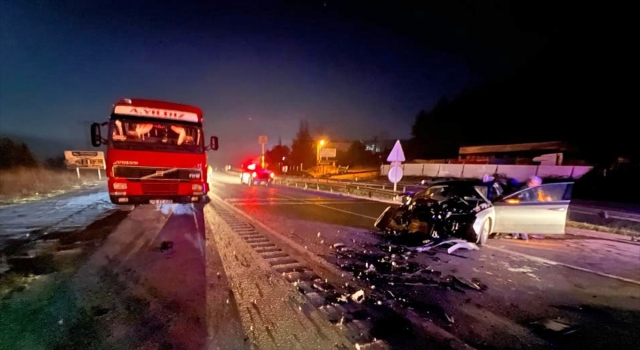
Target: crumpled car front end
x,y
423,218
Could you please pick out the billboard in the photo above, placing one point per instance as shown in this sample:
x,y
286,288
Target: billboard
x,y
84,159
328,153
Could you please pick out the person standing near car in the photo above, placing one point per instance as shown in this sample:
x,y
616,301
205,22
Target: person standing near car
x,y
533,181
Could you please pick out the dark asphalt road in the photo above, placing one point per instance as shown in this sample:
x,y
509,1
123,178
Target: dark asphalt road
x,y
594,285
185,277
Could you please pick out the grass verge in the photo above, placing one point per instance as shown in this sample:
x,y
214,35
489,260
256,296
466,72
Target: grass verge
x,y
625,230
28,182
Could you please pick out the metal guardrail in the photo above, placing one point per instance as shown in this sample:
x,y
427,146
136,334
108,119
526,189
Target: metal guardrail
x,y
332,186
362,184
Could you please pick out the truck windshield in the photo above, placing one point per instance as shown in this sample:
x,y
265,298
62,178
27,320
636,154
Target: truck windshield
x,y
155,135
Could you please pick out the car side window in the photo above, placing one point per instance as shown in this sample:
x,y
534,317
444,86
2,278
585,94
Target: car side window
x,y
544,193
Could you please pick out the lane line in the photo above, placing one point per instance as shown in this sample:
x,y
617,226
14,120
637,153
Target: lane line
x,y
282,203
430,328
336,209
337,194
530,257
556,263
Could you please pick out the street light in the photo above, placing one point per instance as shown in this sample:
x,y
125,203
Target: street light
x,y
320,144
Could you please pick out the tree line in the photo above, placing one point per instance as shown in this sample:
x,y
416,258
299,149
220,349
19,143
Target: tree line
x,y
303,151
550,99
14,154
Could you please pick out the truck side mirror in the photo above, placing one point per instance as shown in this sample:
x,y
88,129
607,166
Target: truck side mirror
x,y
213,143
96,136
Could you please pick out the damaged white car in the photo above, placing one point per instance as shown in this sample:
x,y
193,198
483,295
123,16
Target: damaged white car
x,y
474,210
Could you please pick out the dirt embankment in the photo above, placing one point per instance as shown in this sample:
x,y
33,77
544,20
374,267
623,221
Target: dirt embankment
x,y
22,183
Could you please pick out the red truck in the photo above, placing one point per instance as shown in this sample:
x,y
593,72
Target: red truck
x,y
155,152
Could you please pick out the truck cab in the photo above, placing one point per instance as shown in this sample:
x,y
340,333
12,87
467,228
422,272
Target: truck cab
x,y
156,152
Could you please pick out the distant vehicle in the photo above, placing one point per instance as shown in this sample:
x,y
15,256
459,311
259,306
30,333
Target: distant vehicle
x,y
253,174
155,152
474,210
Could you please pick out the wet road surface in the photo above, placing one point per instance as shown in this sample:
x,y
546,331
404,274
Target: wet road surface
x,y
592,285
280,268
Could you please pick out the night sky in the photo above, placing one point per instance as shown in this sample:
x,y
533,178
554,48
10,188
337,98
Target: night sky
x,y
353,69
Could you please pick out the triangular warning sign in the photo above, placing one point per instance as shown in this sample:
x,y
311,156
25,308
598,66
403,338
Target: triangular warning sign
x,y
397,154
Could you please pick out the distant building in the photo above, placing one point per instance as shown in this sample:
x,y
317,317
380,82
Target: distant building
x,y
375,146
342,146
521,153
379,146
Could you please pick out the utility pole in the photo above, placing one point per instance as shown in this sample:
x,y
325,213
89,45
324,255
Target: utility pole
x,y
263,141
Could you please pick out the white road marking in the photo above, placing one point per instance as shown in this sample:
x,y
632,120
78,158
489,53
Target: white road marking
x,y
551,262
344,195
336,209
530,257
285,202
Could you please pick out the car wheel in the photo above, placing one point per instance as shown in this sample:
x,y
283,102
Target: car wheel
x,y
483,235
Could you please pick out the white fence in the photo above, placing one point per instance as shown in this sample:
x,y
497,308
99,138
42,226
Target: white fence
x,y
519,172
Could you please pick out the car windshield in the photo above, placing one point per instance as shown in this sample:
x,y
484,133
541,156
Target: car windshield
x,y
446,191
155,135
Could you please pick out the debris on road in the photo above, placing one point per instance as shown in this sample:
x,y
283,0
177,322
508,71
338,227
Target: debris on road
x,y
166,245
555,326
463,245
431,245
467,283
358,296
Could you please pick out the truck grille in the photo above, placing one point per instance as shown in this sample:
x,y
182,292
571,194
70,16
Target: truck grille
x,y
159,188
154,173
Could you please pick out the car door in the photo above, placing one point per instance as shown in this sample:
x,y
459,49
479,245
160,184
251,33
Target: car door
x,y
542,210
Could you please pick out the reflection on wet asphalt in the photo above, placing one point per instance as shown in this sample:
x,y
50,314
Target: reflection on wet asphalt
x,y
131,280
489,298
178,276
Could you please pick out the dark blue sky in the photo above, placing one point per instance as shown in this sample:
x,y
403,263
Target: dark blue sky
x,y
352,70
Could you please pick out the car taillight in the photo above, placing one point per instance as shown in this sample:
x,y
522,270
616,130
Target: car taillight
x,y
272,175
196,187
254,174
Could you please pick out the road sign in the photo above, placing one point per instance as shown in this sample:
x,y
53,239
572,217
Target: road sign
x,y
397,154
262,140
395,174
328,152
84,159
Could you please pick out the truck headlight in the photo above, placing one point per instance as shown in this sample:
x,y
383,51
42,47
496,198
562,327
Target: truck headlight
x,y
119,186
196,187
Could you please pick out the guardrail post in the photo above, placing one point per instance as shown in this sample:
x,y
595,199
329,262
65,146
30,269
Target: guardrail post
x,y
305,186
318,187
404,189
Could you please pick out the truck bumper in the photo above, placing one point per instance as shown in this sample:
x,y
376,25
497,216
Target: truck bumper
x,y
133,199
